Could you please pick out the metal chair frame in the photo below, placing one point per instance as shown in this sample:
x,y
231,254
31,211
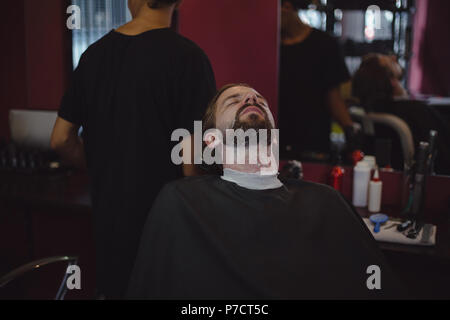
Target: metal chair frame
x,y
22,270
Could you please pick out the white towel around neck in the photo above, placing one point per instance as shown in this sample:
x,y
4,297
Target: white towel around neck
x,y
252,181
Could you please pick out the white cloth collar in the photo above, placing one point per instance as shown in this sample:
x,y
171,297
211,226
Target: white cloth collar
x,y
252,181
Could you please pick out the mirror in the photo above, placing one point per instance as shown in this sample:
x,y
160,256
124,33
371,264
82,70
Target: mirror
x,y
357,56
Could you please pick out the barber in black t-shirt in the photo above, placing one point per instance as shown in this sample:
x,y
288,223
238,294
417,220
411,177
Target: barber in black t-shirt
x,y
311,70
130,91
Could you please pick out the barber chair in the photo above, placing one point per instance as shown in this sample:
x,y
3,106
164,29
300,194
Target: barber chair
x,y
37,277
387,126
422,118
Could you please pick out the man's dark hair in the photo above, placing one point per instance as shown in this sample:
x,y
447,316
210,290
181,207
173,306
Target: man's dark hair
x,y
298,4
157,4
371,84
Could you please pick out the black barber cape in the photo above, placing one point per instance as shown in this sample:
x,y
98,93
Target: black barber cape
x,y
206,238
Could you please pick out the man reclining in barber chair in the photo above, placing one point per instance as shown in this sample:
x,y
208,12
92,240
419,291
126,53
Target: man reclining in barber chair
x,y
248,235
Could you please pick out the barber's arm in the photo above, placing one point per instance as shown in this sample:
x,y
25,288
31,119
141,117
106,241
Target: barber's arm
x,y
189,168
193,96
339,112
67,143
338,74
338,109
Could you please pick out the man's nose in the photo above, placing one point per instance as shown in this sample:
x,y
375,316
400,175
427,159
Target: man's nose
x,y
251,97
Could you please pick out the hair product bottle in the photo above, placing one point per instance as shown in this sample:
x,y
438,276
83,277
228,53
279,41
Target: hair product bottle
x,y
375,190
361,177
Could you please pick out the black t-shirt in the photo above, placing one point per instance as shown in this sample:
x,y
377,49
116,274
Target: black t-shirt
x,y
129,93
308,70
206,238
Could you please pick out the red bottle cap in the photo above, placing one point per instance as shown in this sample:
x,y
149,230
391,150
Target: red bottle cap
x,y
376,176
357,156
336,176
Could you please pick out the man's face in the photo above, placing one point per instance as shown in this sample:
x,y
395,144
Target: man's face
x,y
243,108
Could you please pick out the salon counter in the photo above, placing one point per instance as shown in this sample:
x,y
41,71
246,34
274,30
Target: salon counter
x,y
44,215
440,251
424,271
64,190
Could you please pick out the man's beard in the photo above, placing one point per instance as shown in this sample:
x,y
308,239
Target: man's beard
x,y
253,121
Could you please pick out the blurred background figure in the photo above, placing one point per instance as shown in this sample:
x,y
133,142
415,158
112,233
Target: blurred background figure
x,y
312,68
378,87
378,81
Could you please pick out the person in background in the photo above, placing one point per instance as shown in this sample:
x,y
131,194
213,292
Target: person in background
x,y
130,91
312,68
245,234
377,84
378,81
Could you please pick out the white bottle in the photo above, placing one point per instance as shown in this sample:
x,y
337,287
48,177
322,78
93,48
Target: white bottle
x,y
375,190
371,160
361,177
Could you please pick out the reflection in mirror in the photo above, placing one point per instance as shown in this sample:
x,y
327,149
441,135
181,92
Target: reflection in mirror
x,y
344,69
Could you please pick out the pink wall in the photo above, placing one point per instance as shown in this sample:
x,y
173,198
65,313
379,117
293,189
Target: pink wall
x,y
416,75
240,38
46,57
34,59
431,48
12,61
